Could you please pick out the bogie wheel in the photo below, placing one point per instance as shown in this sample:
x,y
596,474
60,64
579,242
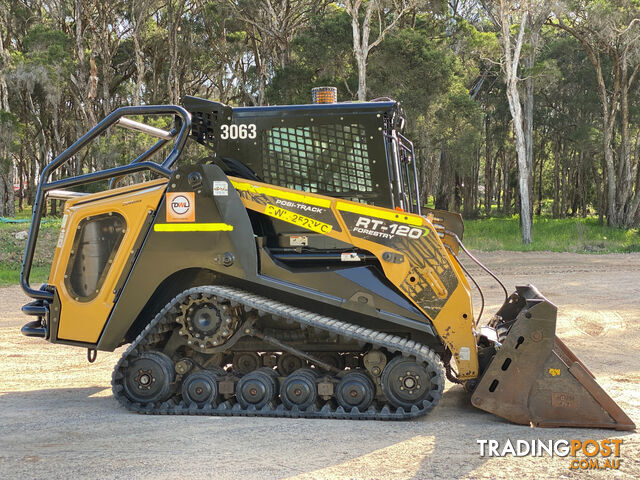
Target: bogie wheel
x,y
406,382
355,390
201,388
257,388
331,358
289,363
149,378
246,362
299,389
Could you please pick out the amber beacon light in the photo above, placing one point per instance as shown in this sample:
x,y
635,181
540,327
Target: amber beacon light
x,y
324,94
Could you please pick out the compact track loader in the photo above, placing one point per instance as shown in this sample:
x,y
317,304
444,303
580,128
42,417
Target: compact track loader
x,y
291,271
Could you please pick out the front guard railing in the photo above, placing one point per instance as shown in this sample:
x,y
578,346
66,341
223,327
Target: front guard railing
x,y
137,165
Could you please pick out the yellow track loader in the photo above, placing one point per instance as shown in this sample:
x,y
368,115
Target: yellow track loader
x,y
290,271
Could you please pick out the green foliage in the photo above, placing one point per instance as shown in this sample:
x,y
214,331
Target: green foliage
x,y
46,58
319,56
46,46
458,123
413,68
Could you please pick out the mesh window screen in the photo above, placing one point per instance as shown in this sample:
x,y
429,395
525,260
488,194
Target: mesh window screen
x,y
324,158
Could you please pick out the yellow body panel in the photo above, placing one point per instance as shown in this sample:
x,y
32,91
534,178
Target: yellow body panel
x,y
83,321
453,319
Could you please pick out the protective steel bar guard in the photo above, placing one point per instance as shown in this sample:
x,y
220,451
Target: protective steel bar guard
x,y
44,185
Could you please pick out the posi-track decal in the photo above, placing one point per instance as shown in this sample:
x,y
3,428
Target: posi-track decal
x,y
303,206
180,207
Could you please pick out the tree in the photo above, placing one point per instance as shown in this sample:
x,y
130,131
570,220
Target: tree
x,y
319,55
139,13
505,15
271,26
539,13
611,29
387,14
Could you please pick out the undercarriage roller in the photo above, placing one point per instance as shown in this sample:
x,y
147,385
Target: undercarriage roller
x,y
246,362
355,390
200,388
331,358
405,382
257,388
149,378
299,389
225,392
289,363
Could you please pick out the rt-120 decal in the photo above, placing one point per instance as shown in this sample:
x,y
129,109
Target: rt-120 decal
x,y
375,227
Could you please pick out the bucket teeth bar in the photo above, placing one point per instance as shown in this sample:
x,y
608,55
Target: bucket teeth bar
x,y
535,379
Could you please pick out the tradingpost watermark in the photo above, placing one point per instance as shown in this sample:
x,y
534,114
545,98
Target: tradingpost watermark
x,y
583,454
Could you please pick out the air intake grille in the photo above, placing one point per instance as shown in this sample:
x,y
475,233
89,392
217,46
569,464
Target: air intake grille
x,y
331,159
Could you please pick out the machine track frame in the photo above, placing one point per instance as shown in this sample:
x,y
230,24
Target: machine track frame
x,y
165,321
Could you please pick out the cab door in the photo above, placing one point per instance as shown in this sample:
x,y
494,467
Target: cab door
x,y
95,247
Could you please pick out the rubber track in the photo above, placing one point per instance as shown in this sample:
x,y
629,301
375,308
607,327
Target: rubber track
x,y
163,322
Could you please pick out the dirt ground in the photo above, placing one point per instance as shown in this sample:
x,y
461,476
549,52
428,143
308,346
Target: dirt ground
x,y
58,418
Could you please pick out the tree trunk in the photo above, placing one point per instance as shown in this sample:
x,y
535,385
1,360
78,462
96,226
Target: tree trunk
x,y
528,123
498,187
446,186
361,60
488,170
612,217
423,184
506,173
8,208
541,162
137,96
3,191
512,58
21,180
175,11
361,44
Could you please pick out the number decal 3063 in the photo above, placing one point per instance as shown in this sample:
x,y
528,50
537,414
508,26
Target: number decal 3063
x,y
242,131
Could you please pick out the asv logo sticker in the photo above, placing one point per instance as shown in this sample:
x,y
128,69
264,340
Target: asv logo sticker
x,y
181,207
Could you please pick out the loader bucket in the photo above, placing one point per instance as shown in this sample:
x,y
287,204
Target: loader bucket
x,y
534,379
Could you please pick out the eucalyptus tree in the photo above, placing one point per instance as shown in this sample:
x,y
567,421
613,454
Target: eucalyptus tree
x,y
270,26
365,14
610,30
320,54
510,16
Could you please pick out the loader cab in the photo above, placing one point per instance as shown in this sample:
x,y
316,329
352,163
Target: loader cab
x,y
352,151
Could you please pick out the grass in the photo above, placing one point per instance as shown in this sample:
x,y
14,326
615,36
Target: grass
x,y
12,277
579,235
12,251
